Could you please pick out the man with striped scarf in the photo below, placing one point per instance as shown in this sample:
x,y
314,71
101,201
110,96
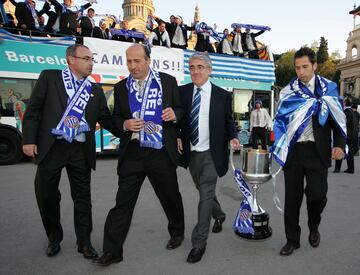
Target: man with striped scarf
x,y
309,113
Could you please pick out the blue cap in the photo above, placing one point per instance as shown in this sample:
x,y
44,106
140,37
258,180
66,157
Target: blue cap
x,y
258,101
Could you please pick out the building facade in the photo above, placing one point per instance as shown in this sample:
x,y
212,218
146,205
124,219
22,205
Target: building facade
x,y
136,13
350,65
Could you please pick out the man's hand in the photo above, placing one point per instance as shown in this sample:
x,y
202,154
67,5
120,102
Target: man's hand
x,y
30,150
337,153
168,114
179,145
235,144
134,124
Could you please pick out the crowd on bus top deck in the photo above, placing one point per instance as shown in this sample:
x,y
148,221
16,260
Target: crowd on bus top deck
x,y
67,19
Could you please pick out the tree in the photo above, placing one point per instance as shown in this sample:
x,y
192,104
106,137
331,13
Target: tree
x,y
284,69
323,54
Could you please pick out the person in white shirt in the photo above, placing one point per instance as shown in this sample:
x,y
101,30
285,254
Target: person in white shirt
x,y
160,36
206,130
260,123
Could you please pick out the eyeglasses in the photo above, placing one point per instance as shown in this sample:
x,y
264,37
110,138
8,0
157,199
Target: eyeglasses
x,y
86,58
199,68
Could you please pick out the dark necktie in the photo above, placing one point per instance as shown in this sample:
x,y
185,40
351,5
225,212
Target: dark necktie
x,y
194,118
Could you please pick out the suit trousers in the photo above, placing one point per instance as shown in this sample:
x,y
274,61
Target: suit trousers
x,y
72,157
204,175
305,162
349,157
139,162
256,134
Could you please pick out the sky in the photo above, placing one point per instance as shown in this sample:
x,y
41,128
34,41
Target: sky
x,y
293,23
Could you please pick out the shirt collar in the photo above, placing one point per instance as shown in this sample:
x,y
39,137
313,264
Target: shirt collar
x,y
205,87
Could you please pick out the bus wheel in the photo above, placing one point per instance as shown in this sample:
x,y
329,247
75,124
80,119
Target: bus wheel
x,y
10,147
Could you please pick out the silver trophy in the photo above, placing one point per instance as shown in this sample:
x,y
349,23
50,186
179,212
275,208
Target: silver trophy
x,y
256,170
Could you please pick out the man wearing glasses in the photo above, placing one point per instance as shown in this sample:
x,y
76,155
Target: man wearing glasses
x,y
206,129
58,132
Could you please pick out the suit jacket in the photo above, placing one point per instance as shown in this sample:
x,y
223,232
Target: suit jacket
x,y
221,125
351,123
24,16
99,34
86,26
47,104
252,35
68,23
322,135
202,43
171,98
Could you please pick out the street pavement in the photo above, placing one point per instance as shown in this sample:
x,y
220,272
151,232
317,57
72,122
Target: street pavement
x,y
23,240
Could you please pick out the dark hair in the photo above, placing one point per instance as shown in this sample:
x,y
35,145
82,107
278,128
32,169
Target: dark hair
x,y
71,50
347,101
354,106
306,51
91,9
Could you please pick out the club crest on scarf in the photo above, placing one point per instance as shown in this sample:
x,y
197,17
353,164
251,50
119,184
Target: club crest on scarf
x,y
148,107
73,121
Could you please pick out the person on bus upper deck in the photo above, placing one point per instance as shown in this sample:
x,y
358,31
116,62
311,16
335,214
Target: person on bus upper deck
x,y
59,132
237,42
102,31
87,23
69,14
159,36
250,45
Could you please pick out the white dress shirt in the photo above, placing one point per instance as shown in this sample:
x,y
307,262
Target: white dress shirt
x,y
204,126
264,119
308,134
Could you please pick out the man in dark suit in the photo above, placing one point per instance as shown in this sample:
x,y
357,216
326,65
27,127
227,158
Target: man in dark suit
x,y
147,148
73,149
205,131
250,45
26,15
87,23
102,31
309,149
350,138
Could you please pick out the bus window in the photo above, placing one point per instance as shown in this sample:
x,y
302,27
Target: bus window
x,y
14,97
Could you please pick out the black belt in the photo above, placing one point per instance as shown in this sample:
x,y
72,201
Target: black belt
x,y
306,142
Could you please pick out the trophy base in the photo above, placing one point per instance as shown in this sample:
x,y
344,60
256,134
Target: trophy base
x,y
261,227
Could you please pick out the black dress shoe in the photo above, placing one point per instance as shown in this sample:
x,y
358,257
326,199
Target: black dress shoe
x,y
217,227
288,249
174,242
349,171
88,251
53,249
314,238
195,255
336,171
106,259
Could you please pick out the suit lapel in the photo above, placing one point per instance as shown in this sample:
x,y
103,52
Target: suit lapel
x,y
213,104
59,84
189,99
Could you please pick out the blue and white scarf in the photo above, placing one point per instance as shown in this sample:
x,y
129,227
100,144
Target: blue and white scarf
x,y
250,26
243,220
127,33
73,121
149,108
296,107
34,15
203,28
149,23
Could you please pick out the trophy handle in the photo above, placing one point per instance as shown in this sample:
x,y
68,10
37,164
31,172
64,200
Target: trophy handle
x,y
276,199
231,158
